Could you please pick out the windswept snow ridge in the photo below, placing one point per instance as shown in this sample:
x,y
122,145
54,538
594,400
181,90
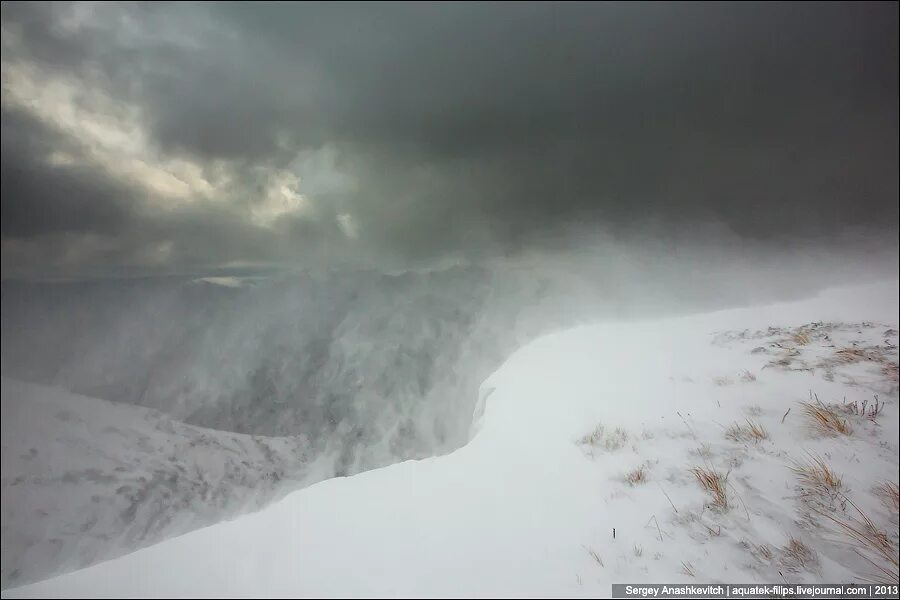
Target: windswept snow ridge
x,y
601,427
86,480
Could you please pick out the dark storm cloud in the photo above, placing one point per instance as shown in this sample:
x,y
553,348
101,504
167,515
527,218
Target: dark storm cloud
x,y
44,198
485,128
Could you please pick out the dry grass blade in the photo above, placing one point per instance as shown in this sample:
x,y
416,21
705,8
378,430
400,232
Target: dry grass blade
x,y
801,338
764,552
889,494
825,420
757,431
687,568
669,499
751,431
714,483
872,544
850,355
735,432
797,554
815,473
658,528
595,556
636,476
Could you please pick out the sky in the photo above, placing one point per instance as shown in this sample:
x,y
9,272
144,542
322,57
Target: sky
x,y
163,137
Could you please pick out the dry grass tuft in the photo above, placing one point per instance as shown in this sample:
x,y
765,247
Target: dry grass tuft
x,y
889,494
747,376
593,438
751,431
617,439
850,355
757,431
735,432
638,551
825,420
801,338
797,555
815,473
890,370
764,552
609,440
714,483
636,476
688,569
870,543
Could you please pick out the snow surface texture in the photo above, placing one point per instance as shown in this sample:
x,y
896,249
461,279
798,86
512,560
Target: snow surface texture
x,y
85,479
529,505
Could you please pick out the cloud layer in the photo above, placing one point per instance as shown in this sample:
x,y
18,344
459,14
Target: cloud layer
x,y
196,136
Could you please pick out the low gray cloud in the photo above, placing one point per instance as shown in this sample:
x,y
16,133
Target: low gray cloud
x,y
169,136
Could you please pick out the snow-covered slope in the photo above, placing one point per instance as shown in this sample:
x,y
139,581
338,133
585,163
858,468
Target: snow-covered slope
x,y
86,480
529,505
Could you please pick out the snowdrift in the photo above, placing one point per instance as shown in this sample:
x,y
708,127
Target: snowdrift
x,y
86,480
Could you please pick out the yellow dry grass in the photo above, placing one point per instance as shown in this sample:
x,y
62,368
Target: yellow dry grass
x,y
714,483
825,420
850,355
797,552
801,338
757,431
751,431
814,472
